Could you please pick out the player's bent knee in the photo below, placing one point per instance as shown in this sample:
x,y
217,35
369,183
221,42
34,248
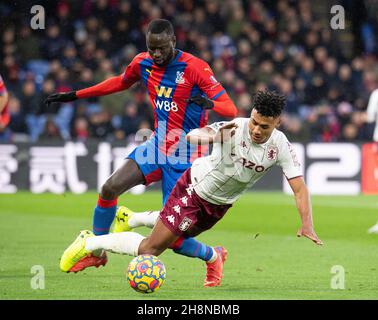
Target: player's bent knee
x,y
153,251
109,190
147,248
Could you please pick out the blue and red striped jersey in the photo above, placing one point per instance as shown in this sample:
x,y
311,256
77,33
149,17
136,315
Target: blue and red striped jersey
x,y
4,113
168,88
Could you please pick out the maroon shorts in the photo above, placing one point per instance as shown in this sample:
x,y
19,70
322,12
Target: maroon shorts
x,y
184,209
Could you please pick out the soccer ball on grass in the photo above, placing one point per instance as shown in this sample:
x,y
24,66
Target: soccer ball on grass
x,y
146,273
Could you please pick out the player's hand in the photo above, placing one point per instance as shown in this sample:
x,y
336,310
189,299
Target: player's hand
x,y
309,232
61,97
203,102
226,132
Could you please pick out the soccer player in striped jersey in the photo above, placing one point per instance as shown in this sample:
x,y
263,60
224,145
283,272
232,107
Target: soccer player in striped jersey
x,y
243,151
181,89
4,113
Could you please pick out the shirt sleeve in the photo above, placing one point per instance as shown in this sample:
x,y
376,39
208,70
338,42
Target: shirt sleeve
x,y
132,72
114,84
216,125
203,76
287,159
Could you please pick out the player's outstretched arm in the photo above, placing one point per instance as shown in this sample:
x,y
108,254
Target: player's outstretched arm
x,y
303,202
108,86
225,107
201,136
207,135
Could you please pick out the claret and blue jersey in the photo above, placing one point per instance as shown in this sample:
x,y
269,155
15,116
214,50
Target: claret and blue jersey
x,y
166,155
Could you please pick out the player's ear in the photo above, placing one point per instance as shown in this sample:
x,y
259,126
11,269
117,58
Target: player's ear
x,y
173,39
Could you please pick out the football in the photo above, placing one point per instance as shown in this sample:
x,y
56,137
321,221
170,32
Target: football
x,y
146,273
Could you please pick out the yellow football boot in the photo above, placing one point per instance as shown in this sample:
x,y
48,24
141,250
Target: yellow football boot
x,y
76,258
123,215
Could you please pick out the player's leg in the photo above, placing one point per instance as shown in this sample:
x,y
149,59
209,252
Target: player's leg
x,y
127,220
145,157
190,247
130,243
76,258
181,213
187,246
123,179
139,167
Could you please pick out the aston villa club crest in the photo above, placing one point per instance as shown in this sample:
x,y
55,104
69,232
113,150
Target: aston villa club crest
x,y
185,224
272,153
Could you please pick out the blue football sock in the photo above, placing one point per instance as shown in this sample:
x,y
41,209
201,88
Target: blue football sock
x,y
190,247
103,216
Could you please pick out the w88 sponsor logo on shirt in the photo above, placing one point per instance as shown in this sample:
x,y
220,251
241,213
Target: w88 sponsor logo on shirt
x,y
161,103
166,105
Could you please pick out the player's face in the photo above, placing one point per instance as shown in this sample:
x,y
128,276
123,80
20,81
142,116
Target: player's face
x,y
161,47
260,127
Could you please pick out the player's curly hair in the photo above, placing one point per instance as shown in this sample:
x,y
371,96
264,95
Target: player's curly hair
x,y
269,103
158,26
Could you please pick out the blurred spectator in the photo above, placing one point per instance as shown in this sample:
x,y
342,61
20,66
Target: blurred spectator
x,y
130,119
81,129
51,131
346,84
293,128
53,44
100,125
27,45
34,110
17,123
349,133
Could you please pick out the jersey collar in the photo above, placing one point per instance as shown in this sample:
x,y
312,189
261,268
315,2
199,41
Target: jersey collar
x,y
173,61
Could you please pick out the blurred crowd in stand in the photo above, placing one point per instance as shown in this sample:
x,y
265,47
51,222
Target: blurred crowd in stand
x,y
327,74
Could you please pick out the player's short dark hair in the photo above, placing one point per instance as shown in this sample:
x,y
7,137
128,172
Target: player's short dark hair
x,y
269,103
158,26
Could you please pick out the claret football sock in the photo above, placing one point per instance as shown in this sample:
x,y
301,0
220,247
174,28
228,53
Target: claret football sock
x,y
103,216
121,242
190,247
147,218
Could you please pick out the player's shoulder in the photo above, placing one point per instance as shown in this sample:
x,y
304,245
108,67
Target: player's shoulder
x,y
279,139
240,120
141,56
193,62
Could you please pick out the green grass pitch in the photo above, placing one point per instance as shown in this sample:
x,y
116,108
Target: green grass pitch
x,y
266,260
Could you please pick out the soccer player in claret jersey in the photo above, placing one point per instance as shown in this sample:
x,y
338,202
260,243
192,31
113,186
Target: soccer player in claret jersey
x,y
243,151
181,88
